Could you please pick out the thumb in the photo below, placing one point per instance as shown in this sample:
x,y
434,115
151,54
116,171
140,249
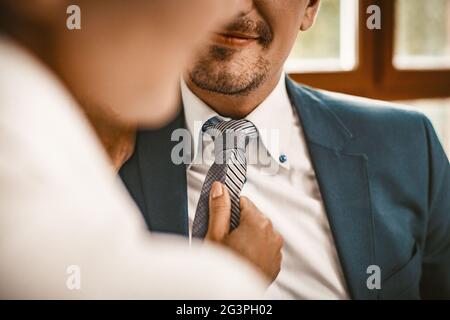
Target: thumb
x,y
219,212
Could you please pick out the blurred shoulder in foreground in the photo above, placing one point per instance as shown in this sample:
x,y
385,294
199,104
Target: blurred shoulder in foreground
x,y
61,205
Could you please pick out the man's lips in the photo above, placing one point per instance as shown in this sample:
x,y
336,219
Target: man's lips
x,y
234,39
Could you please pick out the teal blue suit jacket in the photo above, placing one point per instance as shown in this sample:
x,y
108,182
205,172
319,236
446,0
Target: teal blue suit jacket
x,y
384,179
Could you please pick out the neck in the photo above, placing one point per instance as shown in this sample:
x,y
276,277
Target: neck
x,y
236,106
117,138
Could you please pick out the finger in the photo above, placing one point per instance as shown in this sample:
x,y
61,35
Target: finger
x,y
248,209
219,212
279,240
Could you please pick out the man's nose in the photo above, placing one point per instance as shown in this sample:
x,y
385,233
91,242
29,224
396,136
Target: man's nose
x,y
246,7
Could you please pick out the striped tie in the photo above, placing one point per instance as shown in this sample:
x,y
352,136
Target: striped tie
x,y
230,168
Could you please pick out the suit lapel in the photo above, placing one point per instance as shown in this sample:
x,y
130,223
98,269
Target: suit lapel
x,y
163,183
344,185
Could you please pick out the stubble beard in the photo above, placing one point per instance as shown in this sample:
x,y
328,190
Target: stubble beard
x,y
211,73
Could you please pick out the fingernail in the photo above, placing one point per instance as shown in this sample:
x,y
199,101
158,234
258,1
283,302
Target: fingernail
x,y
216,190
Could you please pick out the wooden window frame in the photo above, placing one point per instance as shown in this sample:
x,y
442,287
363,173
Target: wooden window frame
x,y
375,75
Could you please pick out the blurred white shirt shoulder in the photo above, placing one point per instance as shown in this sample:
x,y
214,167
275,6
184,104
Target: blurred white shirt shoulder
x,y
68,228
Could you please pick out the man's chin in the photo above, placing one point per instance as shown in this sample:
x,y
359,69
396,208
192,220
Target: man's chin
x,y
225,83
229,72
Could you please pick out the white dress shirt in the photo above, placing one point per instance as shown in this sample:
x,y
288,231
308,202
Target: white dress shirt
x,y
68,228
283,186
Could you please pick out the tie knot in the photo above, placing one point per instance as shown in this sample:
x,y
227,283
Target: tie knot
x,y
232,134
216,126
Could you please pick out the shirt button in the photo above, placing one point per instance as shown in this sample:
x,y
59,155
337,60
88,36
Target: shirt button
x,y
283,158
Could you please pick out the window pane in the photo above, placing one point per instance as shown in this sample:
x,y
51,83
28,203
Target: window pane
x,y
438,111
422,34
330,45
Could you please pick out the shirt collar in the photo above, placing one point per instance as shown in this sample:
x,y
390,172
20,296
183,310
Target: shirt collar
x,y
273,118
196,113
